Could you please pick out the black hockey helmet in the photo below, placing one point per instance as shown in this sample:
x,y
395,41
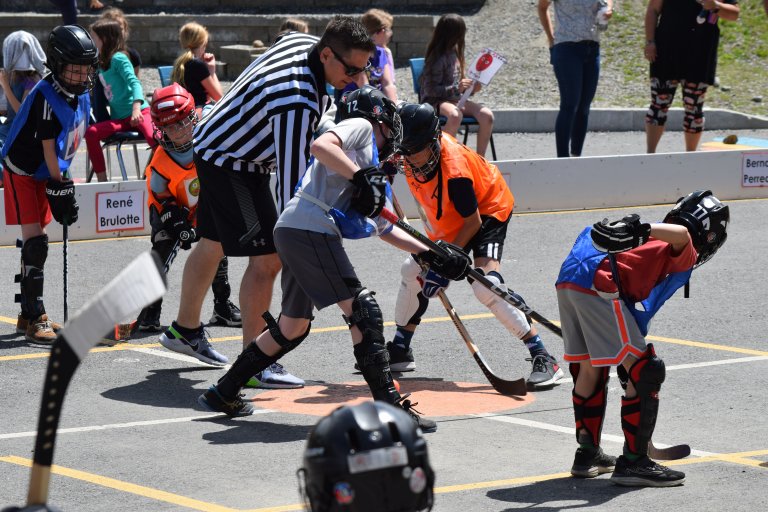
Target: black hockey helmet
x,y
706,219
421,130
369,457
370,103
72,44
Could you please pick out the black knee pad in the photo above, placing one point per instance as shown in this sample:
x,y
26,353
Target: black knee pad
x,y
286,345
366,316
34,252
648,373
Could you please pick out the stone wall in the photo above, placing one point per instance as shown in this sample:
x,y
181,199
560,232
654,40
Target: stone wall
x,y
156,35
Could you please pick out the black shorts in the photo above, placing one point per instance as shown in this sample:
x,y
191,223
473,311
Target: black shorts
x,y
236,209
488,242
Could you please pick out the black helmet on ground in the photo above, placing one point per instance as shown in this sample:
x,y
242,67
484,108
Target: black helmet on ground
x,y
369,457
72,45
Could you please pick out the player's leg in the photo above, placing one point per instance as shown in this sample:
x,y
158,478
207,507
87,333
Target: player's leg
x,y
693,118
590,383
642,377
162,244
485,119
662,94
487,247
409,308
225,312
279,338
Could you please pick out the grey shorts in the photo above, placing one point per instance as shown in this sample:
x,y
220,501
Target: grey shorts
x,y
316,271
600,330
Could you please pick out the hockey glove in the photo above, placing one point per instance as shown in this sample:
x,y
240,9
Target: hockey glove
x,y
453,263
175,222
432,283
370,195
621,235
61,198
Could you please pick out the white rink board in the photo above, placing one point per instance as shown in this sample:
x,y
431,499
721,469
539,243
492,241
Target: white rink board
x,y
538,185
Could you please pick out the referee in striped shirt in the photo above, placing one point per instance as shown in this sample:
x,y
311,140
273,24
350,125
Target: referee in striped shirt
x,y
263,124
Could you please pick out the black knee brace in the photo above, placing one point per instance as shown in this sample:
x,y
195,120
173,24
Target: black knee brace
x,y
252,360
220,286
638,414
589,412
371,353
34,252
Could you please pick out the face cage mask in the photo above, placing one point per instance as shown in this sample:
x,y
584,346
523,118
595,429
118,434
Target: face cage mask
x,y
425,172
162,138
75,88
394,139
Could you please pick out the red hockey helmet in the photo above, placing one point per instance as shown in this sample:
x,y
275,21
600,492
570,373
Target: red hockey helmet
x,y
173,110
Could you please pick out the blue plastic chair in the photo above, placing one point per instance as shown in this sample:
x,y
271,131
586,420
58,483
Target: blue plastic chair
x,y
165,75
417,67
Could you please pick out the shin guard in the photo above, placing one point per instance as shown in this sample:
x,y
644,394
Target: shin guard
x,y
371,354
252,360
220,286
589,412
510,317
638,414
34,253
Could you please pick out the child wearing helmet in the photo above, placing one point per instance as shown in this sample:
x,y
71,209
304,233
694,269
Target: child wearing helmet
x,y
366,458
42,142
340,196
612,267
466,202
172,191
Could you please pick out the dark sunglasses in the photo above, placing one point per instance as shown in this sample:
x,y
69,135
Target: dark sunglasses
x,y
350,70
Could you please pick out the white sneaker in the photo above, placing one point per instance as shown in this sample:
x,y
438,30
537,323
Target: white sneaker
x,y
275,377
198,346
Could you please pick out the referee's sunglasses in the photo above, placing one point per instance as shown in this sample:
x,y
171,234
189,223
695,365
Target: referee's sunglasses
x,y
350,70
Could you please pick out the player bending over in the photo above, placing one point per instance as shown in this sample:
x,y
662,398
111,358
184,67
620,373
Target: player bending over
x,y
597,294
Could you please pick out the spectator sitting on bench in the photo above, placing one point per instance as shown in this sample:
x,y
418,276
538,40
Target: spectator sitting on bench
x,y
443,81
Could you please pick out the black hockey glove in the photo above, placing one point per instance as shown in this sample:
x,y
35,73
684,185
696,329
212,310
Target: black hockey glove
x,y
175,222
61,198
370,195
621,235
453,264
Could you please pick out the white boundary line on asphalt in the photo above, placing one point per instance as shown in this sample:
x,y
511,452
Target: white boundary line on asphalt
x,y
76,430
489,416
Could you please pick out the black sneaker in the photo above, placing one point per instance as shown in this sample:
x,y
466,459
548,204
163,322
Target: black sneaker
x,y
426,425
226,314
589,463
645,473
150,320
212,401
546,372
400,360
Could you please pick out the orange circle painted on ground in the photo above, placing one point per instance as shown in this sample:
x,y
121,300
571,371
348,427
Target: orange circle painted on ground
x,y
435,398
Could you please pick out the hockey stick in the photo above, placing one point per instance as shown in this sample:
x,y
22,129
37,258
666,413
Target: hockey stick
x,y
139,284
505,387
510,297
124,331
64,237
678,451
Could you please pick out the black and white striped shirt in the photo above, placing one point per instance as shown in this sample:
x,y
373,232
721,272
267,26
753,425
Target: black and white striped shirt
x,y
266,120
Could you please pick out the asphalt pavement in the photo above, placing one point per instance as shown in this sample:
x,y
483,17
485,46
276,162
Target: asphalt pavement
x,y
132,437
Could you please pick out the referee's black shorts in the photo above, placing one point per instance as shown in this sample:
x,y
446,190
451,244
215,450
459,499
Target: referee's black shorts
x,y
236,209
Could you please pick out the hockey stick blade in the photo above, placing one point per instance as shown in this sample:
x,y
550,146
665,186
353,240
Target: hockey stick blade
x,y
505,387
511,298
678,451
139,284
